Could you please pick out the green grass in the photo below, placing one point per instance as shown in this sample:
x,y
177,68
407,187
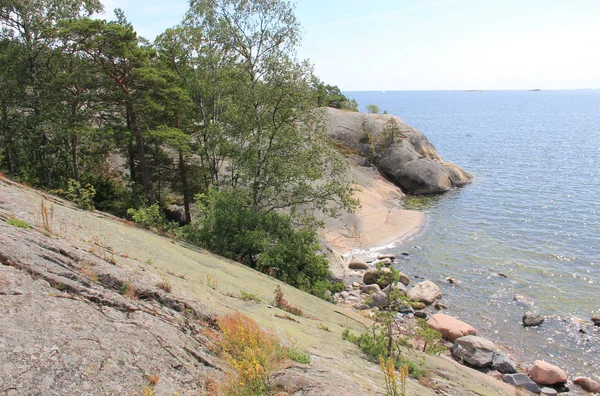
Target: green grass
x,y
13,221
250,297
298,355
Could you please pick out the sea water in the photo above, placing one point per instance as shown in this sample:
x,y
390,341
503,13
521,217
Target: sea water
x,y
529,225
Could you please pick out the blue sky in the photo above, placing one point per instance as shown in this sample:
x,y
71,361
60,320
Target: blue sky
x,y
432,44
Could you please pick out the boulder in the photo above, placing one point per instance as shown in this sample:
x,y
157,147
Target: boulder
x,y
358,264
176,213
503,364
404,279
374,288
386,261
548,391
355,285
374,275
426,292
587,384
450,327
531,318
439,306
596,320
418,305
396,286
544,373
361,307
405,310
386,256
421,314
496,374
344,295
522,381
379,300
476,351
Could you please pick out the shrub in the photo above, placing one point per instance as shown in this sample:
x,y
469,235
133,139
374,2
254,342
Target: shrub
x,y
250,297
366,138
281,302
164,284
372,109
251,352
298,355
266,241
430,338
13,221
83,197
150,217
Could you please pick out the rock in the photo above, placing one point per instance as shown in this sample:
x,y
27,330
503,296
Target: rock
x,y
355,285
474,350
548,391
347,288
587,384
523,299
396,286
596,320
421,314
352,300
418,305
412,162
503,364
452,280
404,279
440,306
374,288
328,296
361,307
544,373
358,264
386,256
531,318
176,213
386,261
450,327
344,295
496,374
379,300
522,381
374,275
405,310
426,292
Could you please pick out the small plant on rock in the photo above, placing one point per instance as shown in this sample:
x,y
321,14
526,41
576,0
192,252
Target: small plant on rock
x,y
250,297
13,221
281,302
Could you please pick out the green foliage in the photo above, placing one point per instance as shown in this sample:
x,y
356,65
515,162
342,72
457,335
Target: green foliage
x,y
430,337
250,297
266,241
331,96
366,138
13,221
372,109
298,355
83,197
151,217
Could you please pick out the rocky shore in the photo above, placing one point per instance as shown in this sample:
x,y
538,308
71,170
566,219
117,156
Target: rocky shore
x,y
366,290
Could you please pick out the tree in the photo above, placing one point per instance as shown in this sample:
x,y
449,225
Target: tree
x,y
372,109
282,158
116,49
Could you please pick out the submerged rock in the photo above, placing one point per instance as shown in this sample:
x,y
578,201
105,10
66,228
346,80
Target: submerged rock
x,y
596,320
522,381
531,318
474,350
544,373
450,327
426,292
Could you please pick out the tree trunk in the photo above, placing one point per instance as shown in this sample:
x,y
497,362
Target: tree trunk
x,y
144,172
184,187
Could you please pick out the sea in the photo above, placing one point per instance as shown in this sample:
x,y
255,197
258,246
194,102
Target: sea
x,y
525,235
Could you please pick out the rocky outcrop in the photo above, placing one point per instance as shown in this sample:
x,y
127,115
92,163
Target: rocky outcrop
x,y
544,373
402,153
450,327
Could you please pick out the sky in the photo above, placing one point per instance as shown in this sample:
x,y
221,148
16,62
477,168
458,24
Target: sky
x,y
389,45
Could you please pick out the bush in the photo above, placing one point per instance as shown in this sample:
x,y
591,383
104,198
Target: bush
x,y
372,109
298,355
266,241
150,217
251,352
